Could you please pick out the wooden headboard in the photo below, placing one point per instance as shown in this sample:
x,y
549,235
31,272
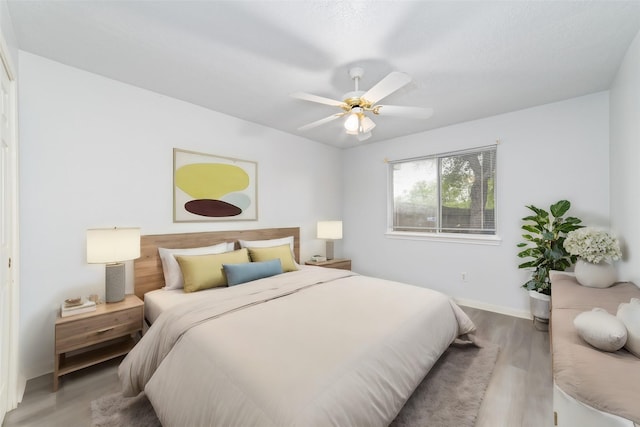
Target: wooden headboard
x,y
148,274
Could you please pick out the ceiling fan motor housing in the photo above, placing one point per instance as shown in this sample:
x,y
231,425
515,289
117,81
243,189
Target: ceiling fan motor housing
x,y
354,98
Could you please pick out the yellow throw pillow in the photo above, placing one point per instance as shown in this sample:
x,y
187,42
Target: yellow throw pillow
x,y
283,253
205,271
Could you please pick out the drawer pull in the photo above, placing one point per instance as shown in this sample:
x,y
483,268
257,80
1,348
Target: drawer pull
x,y
102,331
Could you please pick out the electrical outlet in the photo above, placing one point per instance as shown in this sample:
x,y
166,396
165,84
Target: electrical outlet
x,y
463,276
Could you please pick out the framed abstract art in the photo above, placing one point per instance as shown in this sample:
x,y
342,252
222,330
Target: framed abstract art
x,y
213,188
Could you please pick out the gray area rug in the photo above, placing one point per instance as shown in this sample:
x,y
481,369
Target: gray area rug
x,y
450,395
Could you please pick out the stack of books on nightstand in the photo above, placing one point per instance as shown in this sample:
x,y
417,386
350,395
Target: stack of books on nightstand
x,y
76,306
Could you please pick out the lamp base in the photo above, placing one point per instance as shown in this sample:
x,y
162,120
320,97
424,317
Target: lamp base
x,y
114,282
329,249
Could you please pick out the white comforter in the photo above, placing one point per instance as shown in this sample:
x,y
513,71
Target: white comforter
x,y
315,347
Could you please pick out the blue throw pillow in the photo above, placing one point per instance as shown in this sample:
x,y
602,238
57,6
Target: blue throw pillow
x,y
246,272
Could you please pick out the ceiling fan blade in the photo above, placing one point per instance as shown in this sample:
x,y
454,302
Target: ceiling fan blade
x,y
321,121
316,98
385,87
398,111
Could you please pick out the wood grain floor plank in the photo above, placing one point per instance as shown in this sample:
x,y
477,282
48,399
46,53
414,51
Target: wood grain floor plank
x,y
505,398
520,391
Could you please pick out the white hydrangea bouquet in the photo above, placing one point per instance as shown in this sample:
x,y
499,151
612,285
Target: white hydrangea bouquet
x,y
592,245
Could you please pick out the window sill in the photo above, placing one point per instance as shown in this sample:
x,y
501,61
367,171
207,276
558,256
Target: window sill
x,y
471,239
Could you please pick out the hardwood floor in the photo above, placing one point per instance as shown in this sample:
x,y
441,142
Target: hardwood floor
x,y
521,389
70,405
519,394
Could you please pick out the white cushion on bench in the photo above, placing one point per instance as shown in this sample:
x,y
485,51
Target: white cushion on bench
x,y
629,314
602,330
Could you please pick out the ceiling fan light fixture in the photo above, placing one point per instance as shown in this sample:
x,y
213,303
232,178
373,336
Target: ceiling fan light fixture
x,y
356,105
353,120
366,124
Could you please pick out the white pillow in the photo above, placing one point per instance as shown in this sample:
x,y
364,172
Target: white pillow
x,y
602,330
171,269
269,244
629,314
266,243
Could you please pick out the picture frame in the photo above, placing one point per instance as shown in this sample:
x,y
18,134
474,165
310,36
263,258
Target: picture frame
x,y
210,188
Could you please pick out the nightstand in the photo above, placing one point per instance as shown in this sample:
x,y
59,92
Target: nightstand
x,y
87,339
341,263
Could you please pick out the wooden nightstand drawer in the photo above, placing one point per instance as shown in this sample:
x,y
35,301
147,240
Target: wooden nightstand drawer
x,y
85,332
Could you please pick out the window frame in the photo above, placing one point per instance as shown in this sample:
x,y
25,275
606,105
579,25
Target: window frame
x,y
438,235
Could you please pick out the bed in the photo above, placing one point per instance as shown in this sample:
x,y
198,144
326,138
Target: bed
x,y
311,347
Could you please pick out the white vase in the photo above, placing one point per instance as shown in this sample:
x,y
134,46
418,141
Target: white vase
x,y
600,275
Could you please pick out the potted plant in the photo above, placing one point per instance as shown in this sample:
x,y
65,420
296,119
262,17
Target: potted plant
x,y
543,250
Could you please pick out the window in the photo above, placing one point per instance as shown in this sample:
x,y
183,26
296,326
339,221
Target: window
x,y
445,193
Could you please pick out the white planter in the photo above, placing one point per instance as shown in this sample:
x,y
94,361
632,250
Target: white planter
x,y
601,275
539,305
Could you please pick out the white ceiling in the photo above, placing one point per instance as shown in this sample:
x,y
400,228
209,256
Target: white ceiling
x,y
468,59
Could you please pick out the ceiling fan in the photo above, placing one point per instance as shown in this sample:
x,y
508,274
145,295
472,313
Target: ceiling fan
x,y
356,104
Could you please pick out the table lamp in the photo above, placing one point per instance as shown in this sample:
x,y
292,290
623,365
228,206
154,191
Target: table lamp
x,y
330,230
111,246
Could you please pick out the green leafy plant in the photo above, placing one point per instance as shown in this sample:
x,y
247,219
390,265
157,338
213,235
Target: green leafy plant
x,y
544,235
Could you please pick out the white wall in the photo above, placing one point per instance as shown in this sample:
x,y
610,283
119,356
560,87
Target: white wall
x,y
98,153
625,161
552,152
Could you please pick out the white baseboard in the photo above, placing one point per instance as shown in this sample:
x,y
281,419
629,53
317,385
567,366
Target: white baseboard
x,y
22,385
524,314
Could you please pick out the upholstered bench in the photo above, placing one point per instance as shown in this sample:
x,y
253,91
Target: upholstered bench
x,y
591,387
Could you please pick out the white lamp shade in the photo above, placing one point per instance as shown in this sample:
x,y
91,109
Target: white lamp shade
x,y
331,230
366,125
352,123
105,245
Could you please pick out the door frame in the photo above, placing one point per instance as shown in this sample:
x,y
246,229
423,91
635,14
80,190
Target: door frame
x,y
9,338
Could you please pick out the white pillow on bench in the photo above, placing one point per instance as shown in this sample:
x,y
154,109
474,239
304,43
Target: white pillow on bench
x,y
602,330
629,314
